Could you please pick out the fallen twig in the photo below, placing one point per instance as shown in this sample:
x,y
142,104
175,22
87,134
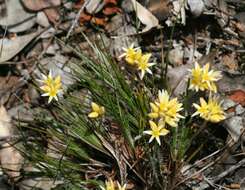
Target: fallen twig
x,y
228,171
76,19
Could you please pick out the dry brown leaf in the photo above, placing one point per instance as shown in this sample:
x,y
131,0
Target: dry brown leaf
x,y
17,18
238,96
231,110
234,186
84,18
230,61
52,14
114,2
99,21
111,10
145,16
222,13
233,42
78,4
121,160
11,47
5,125
178,78
240,26
11,160
37,5
160,8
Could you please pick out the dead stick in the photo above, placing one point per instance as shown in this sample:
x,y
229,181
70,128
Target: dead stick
x,y
76,19
226,172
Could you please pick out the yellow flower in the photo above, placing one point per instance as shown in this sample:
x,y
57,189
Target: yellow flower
x,y
131,54
166,109
155,111
157,130
119,187
203,79
143,64
51,86
196,78
109,185
96,110
210,111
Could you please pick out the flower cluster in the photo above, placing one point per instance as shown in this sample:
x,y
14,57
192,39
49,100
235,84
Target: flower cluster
x,y
166,111
210,111
51,86
203,79
136,58
110,185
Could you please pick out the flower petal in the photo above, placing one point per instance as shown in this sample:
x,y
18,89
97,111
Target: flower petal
x,y
158,140
95,107
93,115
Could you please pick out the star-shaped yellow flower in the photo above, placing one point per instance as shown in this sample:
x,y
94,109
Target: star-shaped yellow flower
x,y
109,185
51,86
96,110
119,187
203,79
157,130
210,111
143,64
166,109
131,54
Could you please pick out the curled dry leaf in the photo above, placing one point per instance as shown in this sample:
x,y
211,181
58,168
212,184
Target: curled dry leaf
x,y
230,61
178,78
42,19
11,160
5,126
111,10
84,17
37,5
159,8
7,86
240,25
11,47
17,19
222,13
145,16
97,11
235,127
238,96
99,21
52,14
229,84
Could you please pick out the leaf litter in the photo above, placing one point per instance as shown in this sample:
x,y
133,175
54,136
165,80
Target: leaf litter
x,y
178,33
